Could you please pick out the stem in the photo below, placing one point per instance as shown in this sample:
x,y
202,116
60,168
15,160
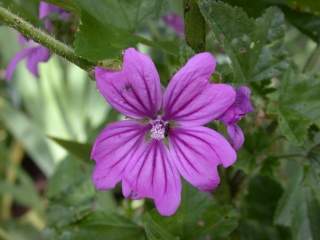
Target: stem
x,y
43,38
195,26
312,60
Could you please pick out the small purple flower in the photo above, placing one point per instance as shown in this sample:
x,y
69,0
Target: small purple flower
x,y
241,106
46,9
163,137
175,22
34,54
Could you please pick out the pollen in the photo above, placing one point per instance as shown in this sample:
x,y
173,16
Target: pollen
x,y
159,129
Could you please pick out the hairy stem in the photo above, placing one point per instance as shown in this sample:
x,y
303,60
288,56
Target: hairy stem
x,y
195,26
43,38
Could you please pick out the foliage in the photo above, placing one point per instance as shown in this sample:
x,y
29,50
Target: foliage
x,y
48,125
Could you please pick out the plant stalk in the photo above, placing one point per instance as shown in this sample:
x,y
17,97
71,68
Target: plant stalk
x,y
28,30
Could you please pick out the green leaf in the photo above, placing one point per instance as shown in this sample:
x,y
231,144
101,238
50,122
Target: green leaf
x,y
299,208
262,199
102,41
154,231
79,150
123,14
199,216
102,225
19,191
32,139
299,102
255,47
306,22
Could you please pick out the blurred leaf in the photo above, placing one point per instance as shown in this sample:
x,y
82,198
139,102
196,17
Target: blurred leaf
x,y
259,208
255,46
103,225
262,199
18,230
299,102
27,10
155,231
32,139
198,216
79,150
71,183
299,208
306,22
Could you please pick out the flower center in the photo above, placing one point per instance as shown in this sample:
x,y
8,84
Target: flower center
x,y
159,129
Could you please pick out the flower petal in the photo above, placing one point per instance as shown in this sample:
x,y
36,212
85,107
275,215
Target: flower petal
x,y
235,135
113,148
134,91
190,98
197,152
152,174
36,56
15,60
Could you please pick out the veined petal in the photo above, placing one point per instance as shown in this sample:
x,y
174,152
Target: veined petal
x,y
190,99
236,136
134,91
15,60
197,152
152,174
113,148
36,56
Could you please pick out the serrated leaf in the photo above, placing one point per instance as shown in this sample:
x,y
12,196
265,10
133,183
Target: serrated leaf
x,y
299,102
103,41
255,47
123,14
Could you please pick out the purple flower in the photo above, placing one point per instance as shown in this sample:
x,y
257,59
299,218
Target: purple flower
x,y
241,106
33,53
46,9
175,22
163,137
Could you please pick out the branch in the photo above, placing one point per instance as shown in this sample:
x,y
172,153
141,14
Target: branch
x,y
43,38
195,26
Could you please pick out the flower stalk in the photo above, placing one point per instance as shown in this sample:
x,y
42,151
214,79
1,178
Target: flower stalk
x,y
28,30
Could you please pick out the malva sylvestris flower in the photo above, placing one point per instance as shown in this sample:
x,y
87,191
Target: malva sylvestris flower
x,y
33,52
175,22
241,106
163,137
47,9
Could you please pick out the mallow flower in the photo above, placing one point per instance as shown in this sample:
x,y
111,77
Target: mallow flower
x,y
162,137
241,106
47,9
175,22
33,52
